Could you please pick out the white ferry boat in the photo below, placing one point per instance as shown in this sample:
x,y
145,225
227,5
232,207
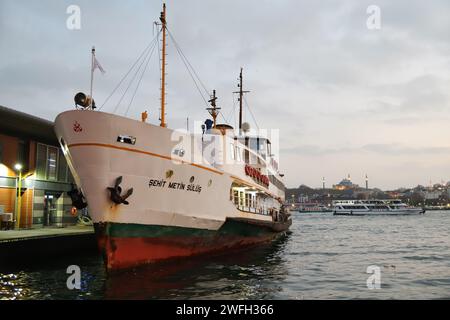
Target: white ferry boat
x,y
373,207
156,193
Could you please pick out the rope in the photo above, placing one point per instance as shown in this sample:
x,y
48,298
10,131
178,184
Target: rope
x,y
131,82
231,110
188,69
126,74
140,79
248,107
184,56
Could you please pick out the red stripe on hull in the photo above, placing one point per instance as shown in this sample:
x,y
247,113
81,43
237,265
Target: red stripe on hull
x,y
127,252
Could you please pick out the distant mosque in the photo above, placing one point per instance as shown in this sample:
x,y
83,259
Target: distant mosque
x,y
345,184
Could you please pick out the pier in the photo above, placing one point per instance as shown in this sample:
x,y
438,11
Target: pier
x,y
25,245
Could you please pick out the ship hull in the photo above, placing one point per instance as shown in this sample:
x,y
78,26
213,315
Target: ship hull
x,y
180,204
127,245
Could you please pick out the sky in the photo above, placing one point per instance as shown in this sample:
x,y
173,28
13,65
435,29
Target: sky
x,y
346,97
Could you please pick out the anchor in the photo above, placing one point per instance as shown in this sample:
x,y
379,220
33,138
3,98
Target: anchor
x,y
116,192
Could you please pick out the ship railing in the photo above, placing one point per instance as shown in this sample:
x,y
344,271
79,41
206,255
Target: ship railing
x,y
259,210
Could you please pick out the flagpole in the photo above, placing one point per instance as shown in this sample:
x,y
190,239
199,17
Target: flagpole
x,y
92,75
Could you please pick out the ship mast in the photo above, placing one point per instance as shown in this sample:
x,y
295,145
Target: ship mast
x,y
241,95
214,110
163,67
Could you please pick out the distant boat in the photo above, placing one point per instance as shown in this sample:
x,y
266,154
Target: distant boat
x,y
311,207
373,207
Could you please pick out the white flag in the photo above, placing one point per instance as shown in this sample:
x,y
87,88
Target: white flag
x,y
97,65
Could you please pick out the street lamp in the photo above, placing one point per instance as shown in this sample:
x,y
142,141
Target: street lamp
x,y
18,167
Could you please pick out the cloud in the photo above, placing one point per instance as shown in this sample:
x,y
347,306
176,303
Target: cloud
x,y
332,87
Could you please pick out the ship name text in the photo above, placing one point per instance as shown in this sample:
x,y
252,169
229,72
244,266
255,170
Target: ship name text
x,y
161,183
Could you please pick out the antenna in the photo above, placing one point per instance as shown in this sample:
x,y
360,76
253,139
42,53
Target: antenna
x,y
214,111
241,95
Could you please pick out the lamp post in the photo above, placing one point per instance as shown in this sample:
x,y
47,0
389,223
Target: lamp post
x,y
18,167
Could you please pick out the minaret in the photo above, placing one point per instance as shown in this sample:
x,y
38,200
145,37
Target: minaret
x,y
323,183
367,182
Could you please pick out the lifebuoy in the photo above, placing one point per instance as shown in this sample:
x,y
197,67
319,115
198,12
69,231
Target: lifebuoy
x,y
73,211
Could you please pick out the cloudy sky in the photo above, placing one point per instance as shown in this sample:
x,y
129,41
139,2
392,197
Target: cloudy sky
x,y
347,99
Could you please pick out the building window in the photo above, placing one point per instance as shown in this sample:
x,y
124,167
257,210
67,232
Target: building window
x,y
52,162
41,161
62,168
22,154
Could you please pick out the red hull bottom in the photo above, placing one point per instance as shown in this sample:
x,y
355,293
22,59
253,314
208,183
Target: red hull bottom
x,y
123,253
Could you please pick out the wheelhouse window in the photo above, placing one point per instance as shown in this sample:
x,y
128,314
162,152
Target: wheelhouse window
x,y
262,148
232,151
238,154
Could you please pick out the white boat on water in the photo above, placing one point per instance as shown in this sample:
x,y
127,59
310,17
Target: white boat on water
x,y
156,193
373,207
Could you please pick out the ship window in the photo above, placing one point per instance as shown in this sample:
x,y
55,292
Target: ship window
x,y
253,145
126,139
238,154
262,148
232,151
236,197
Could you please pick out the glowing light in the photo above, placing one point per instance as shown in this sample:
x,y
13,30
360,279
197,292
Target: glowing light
x,y
3,170
18,166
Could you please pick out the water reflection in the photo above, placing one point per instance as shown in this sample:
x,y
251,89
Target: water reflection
x,y
325,257
252,273
46,279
